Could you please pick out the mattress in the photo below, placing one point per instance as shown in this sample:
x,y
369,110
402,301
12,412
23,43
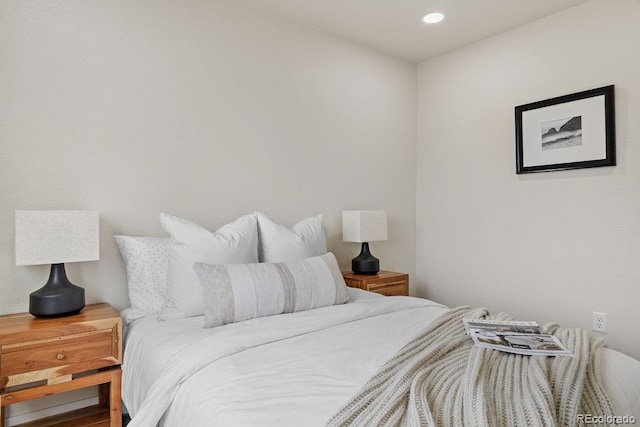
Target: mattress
x,y
288,370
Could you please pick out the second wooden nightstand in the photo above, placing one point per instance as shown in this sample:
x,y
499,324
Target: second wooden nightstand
x,y
40,357
385,282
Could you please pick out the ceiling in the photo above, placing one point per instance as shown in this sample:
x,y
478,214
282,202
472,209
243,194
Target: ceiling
x,y
395,26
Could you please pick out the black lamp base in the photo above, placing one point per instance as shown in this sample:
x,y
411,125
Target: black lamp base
x,y
58,297
365,263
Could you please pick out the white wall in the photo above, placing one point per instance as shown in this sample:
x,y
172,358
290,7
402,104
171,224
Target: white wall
x,y
551,246
203,109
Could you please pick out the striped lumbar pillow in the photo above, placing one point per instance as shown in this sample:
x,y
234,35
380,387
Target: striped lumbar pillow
x,y
236,292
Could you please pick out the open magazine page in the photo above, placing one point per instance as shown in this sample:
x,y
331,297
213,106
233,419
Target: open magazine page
x,y
515,337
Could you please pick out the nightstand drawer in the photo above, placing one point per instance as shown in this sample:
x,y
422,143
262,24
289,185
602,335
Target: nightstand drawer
x,y
35,356
384,282
390,289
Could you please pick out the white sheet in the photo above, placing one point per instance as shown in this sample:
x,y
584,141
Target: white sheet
x,y
295,369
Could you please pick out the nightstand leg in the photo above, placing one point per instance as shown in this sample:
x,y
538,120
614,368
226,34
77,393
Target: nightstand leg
x,y
109,397
2,415
115,399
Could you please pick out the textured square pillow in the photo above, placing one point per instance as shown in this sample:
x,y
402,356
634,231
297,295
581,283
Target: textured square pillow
x,y
236,292
236,242
279,243
145,259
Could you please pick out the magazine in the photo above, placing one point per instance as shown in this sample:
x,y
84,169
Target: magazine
x,y
515,337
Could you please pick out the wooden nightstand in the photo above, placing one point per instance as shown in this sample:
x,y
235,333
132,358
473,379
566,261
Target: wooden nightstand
x,y
40,357
385,282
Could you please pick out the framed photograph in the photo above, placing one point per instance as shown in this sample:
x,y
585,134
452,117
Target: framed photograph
x,y
568,132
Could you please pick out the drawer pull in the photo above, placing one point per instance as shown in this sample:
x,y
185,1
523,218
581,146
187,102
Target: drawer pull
x,y
60,356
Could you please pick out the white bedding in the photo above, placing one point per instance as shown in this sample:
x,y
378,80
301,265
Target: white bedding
x,y
287,370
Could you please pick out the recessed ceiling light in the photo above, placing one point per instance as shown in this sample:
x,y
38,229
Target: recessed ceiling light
x,y
433,18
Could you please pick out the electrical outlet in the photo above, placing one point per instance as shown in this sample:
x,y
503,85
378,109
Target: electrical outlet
x,y
599,321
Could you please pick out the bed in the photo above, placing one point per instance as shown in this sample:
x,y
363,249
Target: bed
x,y
284,369
293,369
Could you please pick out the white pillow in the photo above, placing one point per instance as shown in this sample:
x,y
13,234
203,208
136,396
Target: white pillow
x,y
145,259
236,292
279,243
236,242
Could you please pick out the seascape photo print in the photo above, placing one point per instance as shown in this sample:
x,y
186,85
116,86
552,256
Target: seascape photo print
x,y
561,133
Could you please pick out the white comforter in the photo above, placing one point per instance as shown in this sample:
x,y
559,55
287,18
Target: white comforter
x,y
286,370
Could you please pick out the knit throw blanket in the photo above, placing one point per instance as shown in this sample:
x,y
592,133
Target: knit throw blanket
x,y
442,379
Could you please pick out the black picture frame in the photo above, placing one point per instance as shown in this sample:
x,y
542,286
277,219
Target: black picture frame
x,y
567,132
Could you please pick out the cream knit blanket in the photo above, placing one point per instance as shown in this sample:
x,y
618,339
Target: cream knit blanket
x,y
442,379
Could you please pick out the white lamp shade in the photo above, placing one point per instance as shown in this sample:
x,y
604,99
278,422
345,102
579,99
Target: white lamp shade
x,y
364,226
55,237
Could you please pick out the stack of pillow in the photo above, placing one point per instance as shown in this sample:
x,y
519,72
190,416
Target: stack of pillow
x,y
249,268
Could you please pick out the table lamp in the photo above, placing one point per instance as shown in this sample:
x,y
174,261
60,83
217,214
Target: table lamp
x,y
364,227
56,237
